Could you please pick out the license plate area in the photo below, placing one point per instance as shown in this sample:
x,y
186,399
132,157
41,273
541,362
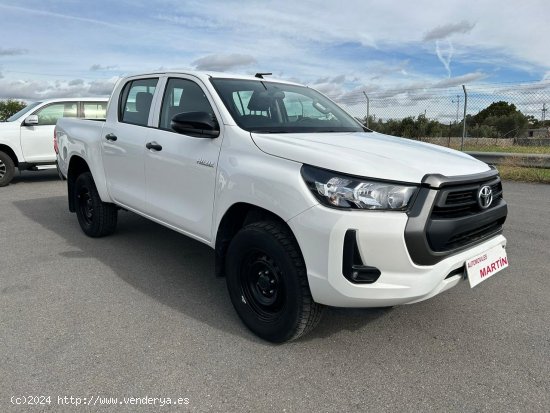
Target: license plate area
x,y
486,264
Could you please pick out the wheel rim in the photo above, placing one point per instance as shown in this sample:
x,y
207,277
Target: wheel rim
x,y
85,205
262,285
3,169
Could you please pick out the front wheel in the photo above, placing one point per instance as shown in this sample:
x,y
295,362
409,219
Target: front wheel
x,y
7,169
267,283
96,218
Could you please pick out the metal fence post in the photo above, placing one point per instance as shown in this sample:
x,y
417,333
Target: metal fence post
x,y
368,108
464,121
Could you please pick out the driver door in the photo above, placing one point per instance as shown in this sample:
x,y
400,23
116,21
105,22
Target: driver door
x,y
37,140
180,172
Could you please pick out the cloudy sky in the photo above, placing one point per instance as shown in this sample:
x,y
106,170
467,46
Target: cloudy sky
x,y
74,48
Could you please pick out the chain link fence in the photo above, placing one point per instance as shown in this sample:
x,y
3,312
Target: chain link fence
x,y
477,117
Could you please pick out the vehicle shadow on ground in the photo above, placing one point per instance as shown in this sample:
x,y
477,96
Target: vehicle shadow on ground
x,y
35,176
169,267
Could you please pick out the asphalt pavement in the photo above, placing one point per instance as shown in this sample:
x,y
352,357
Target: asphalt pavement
x,y
140,314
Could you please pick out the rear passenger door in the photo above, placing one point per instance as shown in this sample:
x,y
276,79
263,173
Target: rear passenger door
x,y
123,143
181,171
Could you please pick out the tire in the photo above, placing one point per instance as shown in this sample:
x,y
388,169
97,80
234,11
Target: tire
x,y
96,218
7,169
267,282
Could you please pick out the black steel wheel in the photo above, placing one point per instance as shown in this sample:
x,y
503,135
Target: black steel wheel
x,y
267,283
96,218
262,285
7,169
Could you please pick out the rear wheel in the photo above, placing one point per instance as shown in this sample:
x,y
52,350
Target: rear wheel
x,y
7,169
96,218
267,283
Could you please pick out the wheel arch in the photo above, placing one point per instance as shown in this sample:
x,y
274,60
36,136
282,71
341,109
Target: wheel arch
x,y
236,217
9,151
77,166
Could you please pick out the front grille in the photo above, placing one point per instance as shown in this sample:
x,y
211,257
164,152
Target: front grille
x,y
462,201
457,220
446,217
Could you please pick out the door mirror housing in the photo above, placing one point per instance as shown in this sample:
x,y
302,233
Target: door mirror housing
x,y
31,120
196,124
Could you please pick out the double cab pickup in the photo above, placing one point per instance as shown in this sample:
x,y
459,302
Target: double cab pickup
x,y
304,206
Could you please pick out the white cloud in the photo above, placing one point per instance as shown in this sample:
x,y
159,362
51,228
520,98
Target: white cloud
x,y
445,55
443,32
223,62
460,80
39,89
12,51
97,67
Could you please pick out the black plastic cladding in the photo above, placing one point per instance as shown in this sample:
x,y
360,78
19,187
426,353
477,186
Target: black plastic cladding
x,y
431,238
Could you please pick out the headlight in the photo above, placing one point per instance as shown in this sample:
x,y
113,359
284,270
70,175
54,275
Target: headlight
x,y
337,190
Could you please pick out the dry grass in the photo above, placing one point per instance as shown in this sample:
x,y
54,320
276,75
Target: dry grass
x,y
509,149
511,170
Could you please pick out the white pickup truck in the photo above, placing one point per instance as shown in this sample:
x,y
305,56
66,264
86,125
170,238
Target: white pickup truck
x,y
26,138
303,205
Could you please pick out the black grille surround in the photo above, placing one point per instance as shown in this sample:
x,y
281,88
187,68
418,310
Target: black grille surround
x,y
446,217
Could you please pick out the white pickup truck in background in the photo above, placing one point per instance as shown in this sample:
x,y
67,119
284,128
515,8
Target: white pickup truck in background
x,y
26,138
304,206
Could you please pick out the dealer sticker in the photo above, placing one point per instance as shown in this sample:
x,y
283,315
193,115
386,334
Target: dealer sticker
x,y
486,265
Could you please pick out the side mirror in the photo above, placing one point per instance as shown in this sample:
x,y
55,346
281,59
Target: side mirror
x,y
196,124
31,120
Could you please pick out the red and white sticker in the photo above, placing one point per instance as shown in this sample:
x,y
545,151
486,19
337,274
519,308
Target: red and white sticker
x,y
486,265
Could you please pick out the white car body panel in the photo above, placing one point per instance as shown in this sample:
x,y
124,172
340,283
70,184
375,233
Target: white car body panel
x,y
33,144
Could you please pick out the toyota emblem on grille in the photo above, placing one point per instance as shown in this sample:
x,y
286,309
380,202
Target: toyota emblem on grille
x,y
485,197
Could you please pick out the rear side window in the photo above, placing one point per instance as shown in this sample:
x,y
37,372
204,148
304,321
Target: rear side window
x,y
94,110
135,101
48,115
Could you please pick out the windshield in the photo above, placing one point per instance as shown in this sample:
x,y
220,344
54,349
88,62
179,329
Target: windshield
x,y
269,107
26,109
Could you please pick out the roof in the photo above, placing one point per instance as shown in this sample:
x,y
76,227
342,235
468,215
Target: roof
x,y
83,99
206,75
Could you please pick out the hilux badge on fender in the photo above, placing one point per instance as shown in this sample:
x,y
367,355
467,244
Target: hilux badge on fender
x,y
204,162
485,197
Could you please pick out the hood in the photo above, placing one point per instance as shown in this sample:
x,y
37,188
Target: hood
x,y
369,154
10,125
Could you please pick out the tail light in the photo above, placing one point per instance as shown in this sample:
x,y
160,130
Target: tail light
x,y
55,147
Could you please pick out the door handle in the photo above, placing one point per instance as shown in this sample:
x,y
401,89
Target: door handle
x,y
153,145
111,137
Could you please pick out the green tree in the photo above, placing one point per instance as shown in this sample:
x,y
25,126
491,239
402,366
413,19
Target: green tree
x,y
10,107
495,109
500,117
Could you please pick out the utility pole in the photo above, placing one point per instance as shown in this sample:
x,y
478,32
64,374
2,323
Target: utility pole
x,y
464,120
368,108
457,106
543,117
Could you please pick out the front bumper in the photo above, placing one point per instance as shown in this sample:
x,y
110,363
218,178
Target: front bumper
x,y
320,232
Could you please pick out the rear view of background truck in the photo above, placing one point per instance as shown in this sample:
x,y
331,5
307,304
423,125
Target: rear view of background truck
x,y
26,137
303,205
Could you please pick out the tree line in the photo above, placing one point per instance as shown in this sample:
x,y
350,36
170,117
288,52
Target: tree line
x,y
10,107
498,120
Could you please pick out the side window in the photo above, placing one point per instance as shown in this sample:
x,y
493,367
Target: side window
x,y
299,106
49,114
241,99
182,95
135,101
94,110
